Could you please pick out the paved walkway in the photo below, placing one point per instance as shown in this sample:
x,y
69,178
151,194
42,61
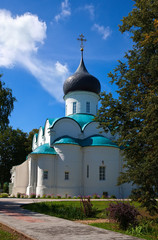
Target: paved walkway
x,y
43,227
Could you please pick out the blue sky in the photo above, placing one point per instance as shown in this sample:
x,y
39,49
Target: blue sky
x,y
39,50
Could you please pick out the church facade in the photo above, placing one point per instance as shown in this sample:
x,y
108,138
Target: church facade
x,y
69,154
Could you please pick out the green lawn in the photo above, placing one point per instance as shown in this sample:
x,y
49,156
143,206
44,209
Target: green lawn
x,y
69,210
152,235
147,228
4,235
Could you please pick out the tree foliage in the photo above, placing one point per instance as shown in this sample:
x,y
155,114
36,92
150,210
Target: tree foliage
x,y
12,151
134,115
15,145
29,140
6,105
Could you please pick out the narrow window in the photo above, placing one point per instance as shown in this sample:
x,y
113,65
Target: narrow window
x,y
87,171
45,175
101,173
74,107
87,107
66,175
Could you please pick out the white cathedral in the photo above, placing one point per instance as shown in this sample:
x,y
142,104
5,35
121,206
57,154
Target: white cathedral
x,y
69,154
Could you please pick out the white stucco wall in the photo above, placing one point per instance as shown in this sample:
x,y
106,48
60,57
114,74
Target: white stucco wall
x,y
92,129
20,178
40,140
69,160
101,156
46,163
65,126
81,97
34,142
32,174
47,132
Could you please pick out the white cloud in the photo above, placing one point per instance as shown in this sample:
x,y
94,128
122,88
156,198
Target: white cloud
x,y
104,31
90,9
20,38
19,35
51,77
65,11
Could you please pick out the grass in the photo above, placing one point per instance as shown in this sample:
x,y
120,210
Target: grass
x,y
147,229
4,235
7,233
68,210
151,235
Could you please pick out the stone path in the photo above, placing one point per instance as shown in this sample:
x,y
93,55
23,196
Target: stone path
x,y
43,227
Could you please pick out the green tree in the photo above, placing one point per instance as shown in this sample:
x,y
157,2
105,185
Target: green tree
x,y
134,115
6,104
28,143
12,151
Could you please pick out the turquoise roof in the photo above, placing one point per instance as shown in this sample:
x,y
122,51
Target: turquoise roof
x,y
82,119
98,140
67,140
52,121
95,140
44,149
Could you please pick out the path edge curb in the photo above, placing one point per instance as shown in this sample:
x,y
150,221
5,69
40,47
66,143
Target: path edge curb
x,y
17,231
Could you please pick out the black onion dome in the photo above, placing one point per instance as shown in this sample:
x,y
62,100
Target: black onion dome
x,y
81,80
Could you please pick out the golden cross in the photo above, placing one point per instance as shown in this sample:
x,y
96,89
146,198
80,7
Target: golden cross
x,y
81,39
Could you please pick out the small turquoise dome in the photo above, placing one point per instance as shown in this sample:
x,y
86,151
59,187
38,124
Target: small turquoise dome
x,y
96,140
44,149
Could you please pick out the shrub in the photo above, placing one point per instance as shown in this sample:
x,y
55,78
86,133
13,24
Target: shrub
x,y
103,197
33,195
113,197
105,194
87,207
4,195
58,196
18,195
124,214
44,196
96,196
48,196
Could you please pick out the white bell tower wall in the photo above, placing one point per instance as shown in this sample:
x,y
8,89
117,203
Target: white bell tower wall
x,y
81,102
